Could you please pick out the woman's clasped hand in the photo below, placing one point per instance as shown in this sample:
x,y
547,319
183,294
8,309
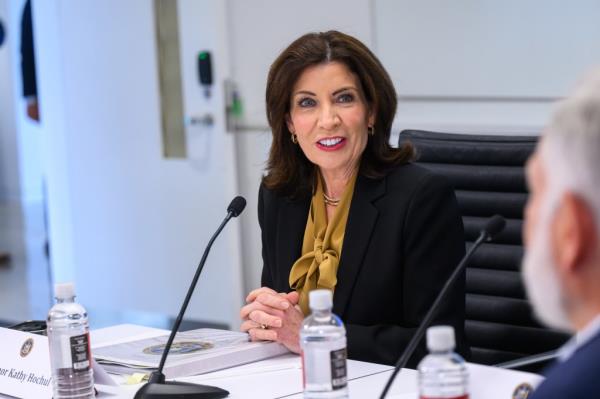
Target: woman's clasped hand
x,y
273,316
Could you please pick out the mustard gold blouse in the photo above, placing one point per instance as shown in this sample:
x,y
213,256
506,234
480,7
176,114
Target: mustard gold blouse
x,y
322,245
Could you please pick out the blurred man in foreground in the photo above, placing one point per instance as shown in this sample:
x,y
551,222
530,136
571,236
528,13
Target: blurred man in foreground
x,y
562,236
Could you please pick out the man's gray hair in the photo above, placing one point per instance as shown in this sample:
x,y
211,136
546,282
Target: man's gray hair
x,y
571,144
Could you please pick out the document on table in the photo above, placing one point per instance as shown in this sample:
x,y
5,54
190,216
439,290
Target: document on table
x,y
193,352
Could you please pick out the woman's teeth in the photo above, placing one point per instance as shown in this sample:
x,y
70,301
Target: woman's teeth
x,y
330,142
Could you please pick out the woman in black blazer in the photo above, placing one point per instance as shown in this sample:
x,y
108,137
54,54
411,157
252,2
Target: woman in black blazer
x,y
330,105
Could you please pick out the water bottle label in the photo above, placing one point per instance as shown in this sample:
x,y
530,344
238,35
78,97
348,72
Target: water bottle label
x,y
80,352
338,369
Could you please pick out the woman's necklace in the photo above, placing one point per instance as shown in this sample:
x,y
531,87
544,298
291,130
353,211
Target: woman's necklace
x,y
330,201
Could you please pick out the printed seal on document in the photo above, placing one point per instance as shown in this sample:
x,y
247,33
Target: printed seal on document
x,y
179,348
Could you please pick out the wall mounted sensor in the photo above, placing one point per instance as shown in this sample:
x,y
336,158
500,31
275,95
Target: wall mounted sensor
x,y
205,71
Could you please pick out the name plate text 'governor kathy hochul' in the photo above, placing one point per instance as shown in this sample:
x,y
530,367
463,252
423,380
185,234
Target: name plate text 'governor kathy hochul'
x,y
24,365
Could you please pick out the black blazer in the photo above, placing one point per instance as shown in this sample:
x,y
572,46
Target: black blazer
x,y
404,237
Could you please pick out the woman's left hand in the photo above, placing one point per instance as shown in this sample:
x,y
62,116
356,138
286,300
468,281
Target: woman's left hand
x,y
291,320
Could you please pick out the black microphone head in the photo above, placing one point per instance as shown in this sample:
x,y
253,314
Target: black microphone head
x,y
236,206
493,226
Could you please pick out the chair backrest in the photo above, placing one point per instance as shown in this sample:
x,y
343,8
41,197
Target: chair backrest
x,y
488,177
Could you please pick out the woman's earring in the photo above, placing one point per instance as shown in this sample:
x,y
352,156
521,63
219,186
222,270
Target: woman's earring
x,y
294,138
371,130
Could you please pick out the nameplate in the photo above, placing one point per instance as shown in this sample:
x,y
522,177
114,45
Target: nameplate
x,y
24,365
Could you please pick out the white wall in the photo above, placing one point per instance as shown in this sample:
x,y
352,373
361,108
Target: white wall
x,y
484,65
487,49
126,224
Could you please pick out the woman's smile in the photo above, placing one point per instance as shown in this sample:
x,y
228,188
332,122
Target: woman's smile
x,y
331,143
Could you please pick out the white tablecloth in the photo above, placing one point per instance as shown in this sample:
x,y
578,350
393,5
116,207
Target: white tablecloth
x,y
282,376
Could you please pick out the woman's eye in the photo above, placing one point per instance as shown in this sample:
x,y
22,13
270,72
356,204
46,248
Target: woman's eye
x,y
345,98
306,102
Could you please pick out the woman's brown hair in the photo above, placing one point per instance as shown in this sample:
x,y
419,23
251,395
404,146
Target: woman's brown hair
x,y
288,170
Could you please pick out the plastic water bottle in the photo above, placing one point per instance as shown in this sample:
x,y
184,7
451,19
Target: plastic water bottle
x,y
443,373
69,339
323,342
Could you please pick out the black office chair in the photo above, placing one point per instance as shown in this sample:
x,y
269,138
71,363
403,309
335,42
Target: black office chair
x,y
488,177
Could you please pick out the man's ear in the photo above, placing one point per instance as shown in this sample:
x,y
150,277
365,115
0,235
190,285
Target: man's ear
x,y
574,233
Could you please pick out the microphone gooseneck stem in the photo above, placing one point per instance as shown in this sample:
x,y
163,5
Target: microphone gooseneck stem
x,y
158,376
412,345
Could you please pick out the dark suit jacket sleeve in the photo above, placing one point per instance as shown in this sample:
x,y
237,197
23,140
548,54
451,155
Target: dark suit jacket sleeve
x,y
28,53
573,378
432,243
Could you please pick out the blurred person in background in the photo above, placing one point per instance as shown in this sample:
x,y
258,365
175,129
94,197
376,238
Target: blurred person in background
x,y
4,256
28,73
561,267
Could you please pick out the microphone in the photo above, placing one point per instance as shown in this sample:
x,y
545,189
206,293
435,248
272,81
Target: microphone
x,y
157,387
236,206
494,226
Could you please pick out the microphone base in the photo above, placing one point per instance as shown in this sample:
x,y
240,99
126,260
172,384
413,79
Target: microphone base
x,y
176,389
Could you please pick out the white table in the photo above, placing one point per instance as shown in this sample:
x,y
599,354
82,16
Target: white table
x,y
282,376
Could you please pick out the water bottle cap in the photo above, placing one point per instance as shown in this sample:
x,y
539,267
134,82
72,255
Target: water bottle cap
x,y
64,290
320,299
440,338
